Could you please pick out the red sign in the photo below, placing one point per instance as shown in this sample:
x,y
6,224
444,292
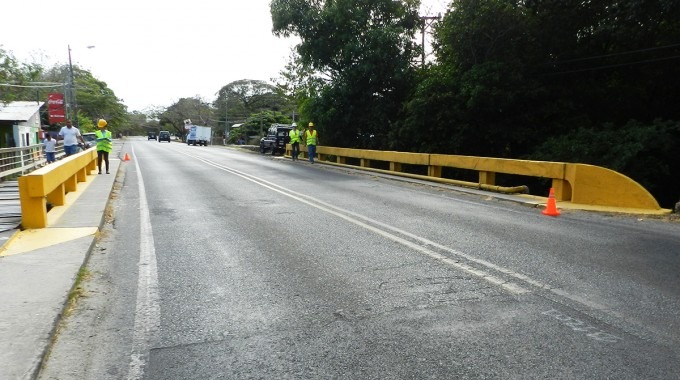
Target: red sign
x,y
55,108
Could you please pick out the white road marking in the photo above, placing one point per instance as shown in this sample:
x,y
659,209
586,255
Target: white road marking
x,y
355,219
420,244
580,326
147,310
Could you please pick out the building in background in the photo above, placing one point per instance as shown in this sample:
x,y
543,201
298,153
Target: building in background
x,y
20,124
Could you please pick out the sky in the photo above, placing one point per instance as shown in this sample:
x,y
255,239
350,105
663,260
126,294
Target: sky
x,y
152,53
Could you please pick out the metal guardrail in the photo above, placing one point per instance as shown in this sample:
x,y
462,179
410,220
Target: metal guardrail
x,y
17,161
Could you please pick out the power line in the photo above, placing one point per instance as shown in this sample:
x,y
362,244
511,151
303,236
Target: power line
x,y
612,54
616,65
37,85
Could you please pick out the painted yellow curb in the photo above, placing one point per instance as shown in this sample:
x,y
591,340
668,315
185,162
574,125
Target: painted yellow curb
x,y
30,240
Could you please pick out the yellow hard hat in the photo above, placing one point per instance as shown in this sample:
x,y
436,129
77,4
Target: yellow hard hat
x,y
311,124
101,123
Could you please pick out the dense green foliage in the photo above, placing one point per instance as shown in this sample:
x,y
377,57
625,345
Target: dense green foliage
x,y
648,150
172,118
557,80
14,73
359,54
239,100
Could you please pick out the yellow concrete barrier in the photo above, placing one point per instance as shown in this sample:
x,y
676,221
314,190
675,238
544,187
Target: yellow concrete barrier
x,y
50,184
594,185
576,183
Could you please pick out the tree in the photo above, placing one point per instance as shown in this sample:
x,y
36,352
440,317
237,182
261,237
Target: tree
x,y
16,78
257,124
645,152
194,109
94,99
485,52
246,97
360,54
140,124
97,101
511,75
519,72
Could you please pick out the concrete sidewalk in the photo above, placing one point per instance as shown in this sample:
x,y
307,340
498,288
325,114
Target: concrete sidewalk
x,y
38,269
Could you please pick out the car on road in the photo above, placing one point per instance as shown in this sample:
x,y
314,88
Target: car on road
x,y
90,139
276,139
151,136
164,136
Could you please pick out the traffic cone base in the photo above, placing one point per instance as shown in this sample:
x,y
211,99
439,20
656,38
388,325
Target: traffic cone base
x,y
127,158
551,207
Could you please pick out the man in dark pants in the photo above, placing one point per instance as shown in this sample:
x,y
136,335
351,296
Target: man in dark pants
x,y
104,145
295,141
311,139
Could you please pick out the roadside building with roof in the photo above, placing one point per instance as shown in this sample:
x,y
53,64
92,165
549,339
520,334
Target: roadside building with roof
x,y
20,123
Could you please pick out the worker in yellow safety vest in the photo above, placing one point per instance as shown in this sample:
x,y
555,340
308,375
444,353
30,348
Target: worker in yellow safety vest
x,y
295,141
311,139
104,145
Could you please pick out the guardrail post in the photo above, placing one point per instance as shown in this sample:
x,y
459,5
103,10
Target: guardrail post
x,y
33,209
58,196
395,166
365,163
341,160
81,175
71,183
562,189
487,178
434,171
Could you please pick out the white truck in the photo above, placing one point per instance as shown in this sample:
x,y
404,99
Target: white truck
x,y
199,135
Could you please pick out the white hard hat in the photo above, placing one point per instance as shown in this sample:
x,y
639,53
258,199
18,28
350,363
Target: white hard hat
x,y
293,125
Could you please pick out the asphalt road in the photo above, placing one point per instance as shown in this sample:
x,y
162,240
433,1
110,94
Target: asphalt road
x,y
223,264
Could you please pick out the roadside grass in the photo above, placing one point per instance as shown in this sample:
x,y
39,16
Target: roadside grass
x,y
77,292
74,296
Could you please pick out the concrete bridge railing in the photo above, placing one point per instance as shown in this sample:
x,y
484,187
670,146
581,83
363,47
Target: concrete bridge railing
x,y
51,184
576,183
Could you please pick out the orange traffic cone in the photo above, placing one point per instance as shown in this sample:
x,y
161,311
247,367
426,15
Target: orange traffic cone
x,y
127,158
551,207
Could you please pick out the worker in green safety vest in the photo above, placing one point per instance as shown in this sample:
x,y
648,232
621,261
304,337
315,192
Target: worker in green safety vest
x,y
295,141
311,140
104,145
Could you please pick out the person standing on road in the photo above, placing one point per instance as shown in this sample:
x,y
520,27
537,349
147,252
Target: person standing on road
x,y
295,141
311,139
50,148
104,145
70,135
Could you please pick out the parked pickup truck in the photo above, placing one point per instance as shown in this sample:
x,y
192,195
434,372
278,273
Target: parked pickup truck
x,y
276,139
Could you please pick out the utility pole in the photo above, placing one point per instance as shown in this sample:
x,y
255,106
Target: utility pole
x,y
226,117
226,112
73,114
72,93
426,22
